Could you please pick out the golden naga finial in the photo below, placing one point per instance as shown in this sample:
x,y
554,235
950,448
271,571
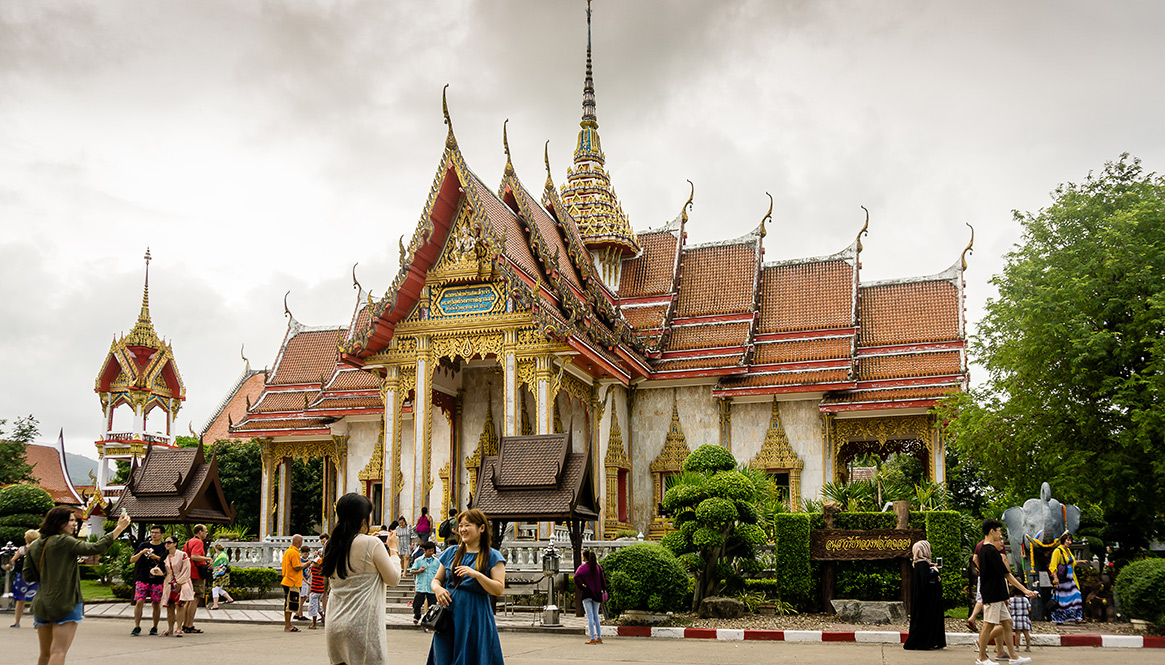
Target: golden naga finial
x,y
451,140
768,215
546,160
356,282
970,249
865,229
402,249
506,146
688,204
286,310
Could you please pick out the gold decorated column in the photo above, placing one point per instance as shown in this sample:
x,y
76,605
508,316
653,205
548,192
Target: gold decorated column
x,y
390,395
511,395
542,396
422,426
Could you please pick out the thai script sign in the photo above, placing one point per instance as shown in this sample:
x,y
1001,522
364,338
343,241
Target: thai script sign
x,y
461,300
844,545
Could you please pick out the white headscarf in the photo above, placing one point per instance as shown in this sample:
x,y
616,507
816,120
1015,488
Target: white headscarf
x,y
921,551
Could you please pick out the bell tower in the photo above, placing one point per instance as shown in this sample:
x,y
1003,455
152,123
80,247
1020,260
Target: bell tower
x,y
140,390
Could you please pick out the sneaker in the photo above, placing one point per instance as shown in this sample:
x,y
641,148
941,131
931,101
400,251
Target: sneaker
x,y
154,630
1020,661
137,630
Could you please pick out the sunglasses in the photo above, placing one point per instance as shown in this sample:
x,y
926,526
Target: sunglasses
x,y
169,542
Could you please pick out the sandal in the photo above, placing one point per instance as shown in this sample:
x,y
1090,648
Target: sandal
x,y
972,626
293,629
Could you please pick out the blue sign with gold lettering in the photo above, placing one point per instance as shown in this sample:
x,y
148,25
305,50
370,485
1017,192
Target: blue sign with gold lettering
x,y
461,300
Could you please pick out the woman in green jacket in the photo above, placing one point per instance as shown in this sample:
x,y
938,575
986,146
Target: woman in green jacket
x,y
52,560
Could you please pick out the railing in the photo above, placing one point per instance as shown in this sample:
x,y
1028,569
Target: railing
x,y
526,555
266,554
135,436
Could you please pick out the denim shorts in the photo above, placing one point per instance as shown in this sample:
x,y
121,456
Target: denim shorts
x,y
76,616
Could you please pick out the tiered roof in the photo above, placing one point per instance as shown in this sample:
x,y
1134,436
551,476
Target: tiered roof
x,y
175,486
52,473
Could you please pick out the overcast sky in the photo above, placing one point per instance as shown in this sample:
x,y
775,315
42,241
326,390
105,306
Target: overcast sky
x,y
261,147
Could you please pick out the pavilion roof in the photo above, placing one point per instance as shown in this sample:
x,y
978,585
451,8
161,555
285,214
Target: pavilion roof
x,y
175,486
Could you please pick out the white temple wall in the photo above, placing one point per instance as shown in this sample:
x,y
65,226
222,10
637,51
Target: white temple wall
x,y
481,385
750,423
441,432
407,441
802,422
651,419
362,437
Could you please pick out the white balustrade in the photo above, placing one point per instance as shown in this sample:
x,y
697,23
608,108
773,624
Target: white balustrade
x,y
265,554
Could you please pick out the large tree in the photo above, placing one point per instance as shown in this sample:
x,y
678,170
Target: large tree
x,y
1074,348
14,466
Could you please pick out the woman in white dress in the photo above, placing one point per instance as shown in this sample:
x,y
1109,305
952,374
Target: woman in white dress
x,y
358,567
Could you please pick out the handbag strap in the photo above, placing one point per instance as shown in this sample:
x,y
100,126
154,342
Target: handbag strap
x,y
40,564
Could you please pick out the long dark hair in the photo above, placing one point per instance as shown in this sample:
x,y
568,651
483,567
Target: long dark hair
x,y
352,514
589,557
477,518
54,521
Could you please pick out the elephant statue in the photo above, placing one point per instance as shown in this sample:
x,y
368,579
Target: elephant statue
x,y
1043,520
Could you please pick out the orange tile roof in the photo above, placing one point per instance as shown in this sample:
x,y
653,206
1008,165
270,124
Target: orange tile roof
x,y
709,336
46,468
281,424
309,357
363,402
360,323
802,350
703,362
890,395
909,365
909,313
354,380
806,296
775,379
554,240
641,318
277,402
650,273
718,279
506,225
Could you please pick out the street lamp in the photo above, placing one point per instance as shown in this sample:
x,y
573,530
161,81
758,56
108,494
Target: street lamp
x,y
6,554
550,565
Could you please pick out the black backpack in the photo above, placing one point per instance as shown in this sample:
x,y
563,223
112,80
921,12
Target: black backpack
x,y
446,528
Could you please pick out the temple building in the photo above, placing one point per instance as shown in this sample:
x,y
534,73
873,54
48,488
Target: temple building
x,y
141,392
520,310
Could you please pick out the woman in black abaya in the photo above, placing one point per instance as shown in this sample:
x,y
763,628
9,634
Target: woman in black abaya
x,y
927,629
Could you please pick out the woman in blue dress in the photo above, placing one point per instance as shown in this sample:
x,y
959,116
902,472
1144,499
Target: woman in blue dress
x,y
474,571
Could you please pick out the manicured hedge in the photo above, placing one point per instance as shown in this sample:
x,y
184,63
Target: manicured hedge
x,y
943,530
645,576
260,579
1140,590
797,586
769,586
23,498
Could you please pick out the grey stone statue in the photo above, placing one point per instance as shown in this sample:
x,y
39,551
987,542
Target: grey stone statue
x,y
1043,519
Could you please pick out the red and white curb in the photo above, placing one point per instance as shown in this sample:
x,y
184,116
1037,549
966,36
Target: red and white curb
x,y
873,636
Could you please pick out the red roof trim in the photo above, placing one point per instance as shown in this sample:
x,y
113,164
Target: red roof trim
x,y
806,334
614,370
696,373
716,318
697,353
909,348
937,381
875,406
831,363
647,300
774,390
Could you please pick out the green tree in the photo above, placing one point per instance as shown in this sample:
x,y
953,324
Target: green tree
x,y
714,509
1074,348
14,466
240,468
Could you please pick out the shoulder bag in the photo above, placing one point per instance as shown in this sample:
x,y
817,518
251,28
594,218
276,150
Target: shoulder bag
x,y
439,618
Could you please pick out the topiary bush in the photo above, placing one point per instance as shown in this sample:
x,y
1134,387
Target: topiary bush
x,y
1140,591
709,459
644,576
944,531
260,579
797,585
22,507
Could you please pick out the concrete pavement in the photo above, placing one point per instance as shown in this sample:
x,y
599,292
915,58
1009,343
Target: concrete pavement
x,y
106,642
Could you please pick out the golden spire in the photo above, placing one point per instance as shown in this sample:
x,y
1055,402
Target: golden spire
x,y
970,247
143,331
506,146
587,192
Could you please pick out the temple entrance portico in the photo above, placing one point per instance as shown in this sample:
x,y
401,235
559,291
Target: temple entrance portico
x,y
276,482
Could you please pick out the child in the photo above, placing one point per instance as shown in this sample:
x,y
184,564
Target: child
x,y
305,587
1021,611
316,593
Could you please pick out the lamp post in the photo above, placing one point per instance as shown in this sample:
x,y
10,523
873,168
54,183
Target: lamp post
x,y
6,554
550,565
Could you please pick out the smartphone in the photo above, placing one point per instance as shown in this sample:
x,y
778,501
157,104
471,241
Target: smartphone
x,y
938,562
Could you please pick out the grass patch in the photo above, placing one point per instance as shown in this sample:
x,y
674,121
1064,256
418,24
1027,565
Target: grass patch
x,y
956,613
94,590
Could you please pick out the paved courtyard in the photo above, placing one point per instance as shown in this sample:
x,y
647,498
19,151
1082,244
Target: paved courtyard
x,y
107,642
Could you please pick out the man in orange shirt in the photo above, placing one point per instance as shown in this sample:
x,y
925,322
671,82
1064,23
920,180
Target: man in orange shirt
x,y
291,582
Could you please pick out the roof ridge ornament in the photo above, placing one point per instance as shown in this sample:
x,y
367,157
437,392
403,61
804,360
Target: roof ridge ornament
x,y
246,363
143,333
356,282
970,249
506,146
286,309
767,218
450,140
589,118
865,230
688,204
546,160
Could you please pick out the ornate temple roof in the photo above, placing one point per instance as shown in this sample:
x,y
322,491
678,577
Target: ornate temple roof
x,y
141,362
175,486
52,473
588,193
537,478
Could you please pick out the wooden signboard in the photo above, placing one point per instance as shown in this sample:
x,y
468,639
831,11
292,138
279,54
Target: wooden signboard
x,y
845,545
